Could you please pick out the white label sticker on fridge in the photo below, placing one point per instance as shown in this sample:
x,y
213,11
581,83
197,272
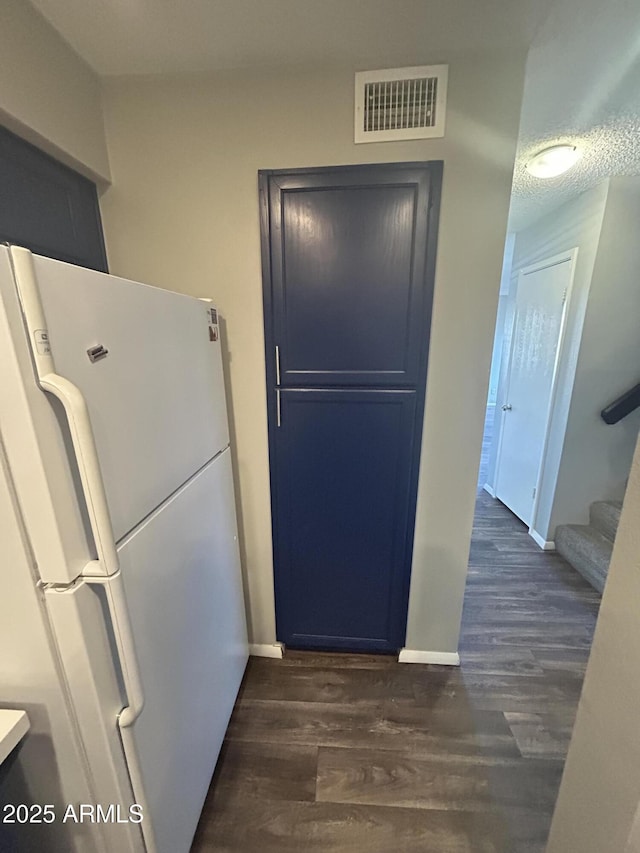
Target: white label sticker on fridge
x,y
42,342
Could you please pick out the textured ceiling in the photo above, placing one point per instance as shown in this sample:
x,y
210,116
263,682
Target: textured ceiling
x,y
583,87
188,36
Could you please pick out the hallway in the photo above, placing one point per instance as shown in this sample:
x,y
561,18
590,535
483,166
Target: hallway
x,y
360,754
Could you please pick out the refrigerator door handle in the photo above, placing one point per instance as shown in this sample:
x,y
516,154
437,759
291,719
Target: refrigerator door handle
x,y
123,634
84,445
119,613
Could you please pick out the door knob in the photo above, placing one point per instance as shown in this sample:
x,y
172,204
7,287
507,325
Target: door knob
x,y
507,407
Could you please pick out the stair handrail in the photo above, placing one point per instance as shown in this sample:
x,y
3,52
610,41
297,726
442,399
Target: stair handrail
x,y
623,406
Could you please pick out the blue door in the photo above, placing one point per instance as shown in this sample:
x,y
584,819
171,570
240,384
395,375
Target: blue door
x,y
348,262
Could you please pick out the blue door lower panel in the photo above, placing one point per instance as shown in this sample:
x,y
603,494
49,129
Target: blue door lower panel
x,y
343,460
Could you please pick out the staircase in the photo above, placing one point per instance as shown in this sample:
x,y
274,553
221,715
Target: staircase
x,y
588,547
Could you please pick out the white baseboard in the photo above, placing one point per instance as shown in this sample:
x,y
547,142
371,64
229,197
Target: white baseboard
x,y
266,650
489,489
545,544
417,656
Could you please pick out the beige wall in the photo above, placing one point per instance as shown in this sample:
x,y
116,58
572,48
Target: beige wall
x,y
48,94
600,791
183,213
633,841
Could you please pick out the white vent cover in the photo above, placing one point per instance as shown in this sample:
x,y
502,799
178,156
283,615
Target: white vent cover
x,y
401,103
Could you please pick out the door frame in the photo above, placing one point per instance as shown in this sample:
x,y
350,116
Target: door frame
x,y
559,368
435,168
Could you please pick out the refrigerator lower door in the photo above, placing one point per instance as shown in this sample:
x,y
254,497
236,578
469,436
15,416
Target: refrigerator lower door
x,y
181,574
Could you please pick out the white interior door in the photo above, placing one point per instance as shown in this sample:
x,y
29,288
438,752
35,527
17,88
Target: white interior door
x,y
539,319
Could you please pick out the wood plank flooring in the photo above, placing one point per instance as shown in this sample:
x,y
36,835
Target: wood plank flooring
x,y
360,754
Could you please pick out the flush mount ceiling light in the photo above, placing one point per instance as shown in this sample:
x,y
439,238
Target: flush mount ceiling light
x,y
553,161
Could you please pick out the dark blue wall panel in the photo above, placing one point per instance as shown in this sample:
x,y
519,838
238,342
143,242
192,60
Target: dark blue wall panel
x,y
47,207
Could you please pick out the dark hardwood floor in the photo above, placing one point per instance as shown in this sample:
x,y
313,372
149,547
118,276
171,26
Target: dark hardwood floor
x,y
360,754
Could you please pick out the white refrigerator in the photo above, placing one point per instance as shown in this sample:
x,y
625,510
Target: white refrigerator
x,y
122,623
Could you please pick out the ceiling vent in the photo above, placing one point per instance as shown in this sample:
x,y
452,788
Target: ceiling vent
x,y
401,103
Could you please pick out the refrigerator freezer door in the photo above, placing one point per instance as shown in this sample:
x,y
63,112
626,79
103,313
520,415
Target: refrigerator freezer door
x,y
35,445
183,587
151,374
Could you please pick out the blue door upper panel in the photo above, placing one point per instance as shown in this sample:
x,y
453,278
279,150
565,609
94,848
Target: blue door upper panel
x,y
347,256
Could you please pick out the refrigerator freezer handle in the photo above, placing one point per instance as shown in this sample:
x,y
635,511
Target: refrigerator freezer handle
x,y
119,612
84,445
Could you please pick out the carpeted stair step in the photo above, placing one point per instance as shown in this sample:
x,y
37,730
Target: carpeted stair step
x,y
587,550
605,516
